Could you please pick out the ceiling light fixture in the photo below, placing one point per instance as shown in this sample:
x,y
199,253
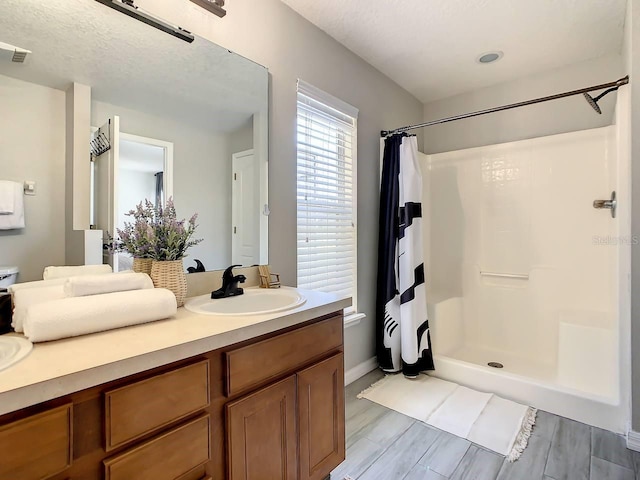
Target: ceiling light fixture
x,y
489,57
129,8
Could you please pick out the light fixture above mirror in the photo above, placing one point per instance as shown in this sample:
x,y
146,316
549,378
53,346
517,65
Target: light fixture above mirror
x,y
214,6
128,7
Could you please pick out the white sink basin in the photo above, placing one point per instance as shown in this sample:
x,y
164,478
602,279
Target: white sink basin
x,y
256,301
12,350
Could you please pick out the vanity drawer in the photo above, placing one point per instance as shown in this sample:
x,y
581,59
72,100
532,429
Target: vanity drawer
x,y
38,446
143,407
171,455
250,366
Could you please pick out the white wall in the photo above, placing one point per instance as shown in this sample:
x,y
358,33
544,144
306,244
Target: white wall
x,y
559,116
241,139
270,33
32,147
201,176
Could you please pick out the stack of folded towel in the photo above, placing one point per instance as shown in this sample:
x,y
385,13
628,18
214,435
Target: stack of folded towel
x,y
62,307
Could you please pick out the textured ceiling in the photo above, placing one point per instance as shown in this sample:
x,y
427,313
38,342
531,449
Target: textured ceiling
x,y
131,64
430,46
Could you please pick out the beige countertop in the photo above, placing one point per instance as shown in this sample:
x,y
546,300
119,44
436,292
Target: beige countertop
x,y
55,369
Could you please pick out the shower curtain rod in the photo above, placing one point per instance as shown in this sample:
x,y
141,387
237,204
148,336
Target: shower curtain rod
x,y
617,84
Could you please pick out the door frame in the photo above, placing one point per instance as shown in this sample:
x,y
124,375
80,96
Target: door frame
x,y
168,158
167,176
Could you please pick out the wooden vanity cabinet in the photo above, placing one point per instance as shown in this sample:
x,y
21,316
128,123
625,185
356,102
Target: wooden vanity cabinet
x,y
269,408
321,421
38,446
292,429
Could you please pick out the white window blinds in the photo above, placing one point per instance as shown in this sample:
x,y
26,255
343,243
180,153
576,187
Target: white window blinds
x,y
326,192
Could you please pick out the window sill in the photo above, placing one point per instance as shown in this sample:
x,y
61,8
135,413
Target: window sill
x,y
353,319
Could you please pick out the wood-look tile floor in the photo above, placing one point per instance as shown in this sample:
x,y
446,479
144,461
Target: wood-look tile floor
x,y
383,444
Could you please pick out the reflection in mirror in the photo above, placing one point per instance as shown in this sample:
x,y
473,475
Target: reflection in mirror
x,y
144,170
182,120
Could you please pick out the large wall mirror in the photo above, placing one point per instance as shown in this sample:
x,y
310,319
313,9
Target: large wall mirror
x,y
187,120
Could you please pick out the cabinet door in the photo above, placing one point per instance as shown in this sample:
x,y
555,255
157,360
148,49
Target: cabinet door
x,y
39,446
321,418
261,434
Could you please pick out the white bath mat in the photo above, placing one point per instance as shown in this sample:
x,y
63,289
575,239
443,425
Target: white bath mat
x,y
459,411
483,418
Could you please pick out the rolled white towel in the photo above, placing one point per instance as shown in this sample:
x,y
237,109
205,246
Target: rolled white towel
x,y
27,297
49,283
98,284
51,273
16,287
71,317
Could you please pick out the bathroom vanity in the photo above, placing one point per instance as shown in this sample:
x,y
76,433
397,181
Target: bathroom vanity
x,y
195,397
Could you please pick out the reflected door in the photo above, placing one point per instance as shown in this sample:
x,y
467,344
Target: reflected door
x,y
245,210
105,183
145,167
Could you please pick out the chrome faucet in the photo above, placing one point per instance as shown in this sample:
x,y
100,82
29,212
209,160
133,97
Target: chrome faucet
x,y
229,284
611,204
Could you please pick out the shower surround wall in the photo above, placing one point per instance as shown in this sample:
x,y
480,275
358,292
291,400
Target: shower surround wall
x,y
525,209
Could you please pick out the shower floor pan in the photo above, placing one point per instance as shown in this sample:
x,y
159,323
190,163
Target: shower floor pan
x,y
529,383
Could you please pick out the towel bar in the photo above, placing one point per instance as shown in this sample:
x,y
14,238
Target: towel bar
x,y
519,276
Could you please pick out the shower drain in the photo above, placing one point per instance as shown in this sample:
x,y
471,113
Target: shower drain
x,y
495,364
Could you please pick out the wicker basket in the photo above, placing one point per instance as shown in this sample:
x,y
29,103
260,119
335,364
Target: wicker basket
x,y
170,275
142,265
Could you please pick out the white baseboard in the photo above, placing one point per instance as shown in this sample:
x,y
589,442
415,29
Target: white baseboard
x,y
360,370
633,440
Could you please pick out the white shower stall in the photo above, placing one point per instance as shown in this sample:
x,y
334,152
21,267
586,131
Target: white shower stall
x,y
524,272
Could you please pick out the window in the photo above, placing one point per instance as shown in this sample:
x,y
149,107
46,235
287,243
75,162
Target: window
x,y
326,193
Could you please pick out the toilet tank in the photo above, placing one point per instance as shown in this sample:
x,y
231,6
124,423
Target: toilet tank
x,y
8,276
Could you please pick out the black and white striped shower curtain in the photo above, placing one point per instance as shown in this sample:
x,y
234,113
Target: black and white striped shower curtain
x,y
403,342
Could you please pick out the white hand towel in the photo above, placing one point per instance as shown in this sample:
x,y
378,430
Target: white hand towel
x,y
24,298
99,284
14,220
51,273
71,317
7,197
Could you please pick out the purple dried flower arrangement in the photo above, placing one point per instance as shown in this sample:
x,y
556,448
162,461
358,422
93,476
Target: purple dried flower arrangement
x,y
156,233
172,237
